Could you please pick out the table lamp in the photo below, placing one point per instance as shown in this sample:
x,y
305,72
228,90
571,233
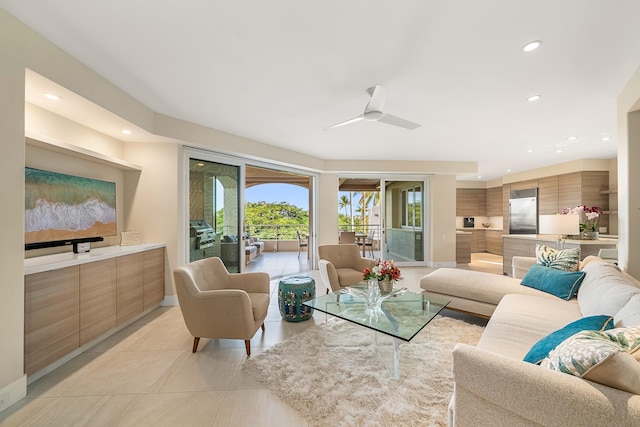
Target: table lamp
x,y
560,225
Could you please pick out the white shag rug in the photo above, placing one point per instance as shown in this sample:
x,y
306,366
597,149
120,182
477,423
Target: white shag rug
x,y
339,373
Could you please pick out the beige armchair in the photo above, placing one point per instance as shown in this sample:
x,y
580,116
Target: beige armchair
x,y
217,304
341,265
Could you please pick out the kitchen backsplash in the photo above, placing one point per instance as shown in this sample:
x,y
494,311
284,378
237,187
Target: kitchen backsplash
x,y
495,221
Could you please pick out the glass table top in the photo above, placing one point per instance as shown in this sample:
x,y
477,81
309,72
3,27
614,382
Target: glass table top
x,y
401,316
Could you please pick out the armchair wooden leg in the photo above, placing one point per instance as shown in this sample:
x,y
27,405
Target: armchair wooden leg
x,y
262,326
196,340
247,346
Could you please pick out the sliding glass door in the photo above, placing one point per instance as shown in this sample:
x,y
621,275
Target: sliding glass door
x,y
215,211
403,220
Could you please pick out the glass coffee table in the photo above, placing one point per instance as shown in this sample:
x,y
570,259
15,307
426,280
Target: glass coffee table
x,y
400,316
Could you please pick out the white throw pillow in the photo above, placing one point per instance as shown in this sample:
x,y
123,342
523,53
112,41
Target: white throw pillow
x,y
605,289
565,260
629,315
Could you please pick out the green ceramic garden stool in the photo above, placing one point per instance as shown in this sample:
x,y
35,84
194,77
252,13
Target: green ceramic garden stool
x,y
292,292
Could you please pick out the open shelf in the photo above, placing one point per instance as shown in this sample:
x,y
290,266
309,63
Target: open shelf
x,y
79,152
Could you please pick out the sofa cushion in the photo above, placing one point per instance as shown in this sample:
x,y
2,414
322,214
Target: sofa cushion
x,y
541,349
563,284
566,260
629,315
520,321
605,289
475,285
606,357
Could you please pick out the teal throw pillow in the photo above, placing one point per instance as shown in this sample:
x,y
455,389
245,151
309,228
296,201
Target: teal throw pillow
x,y
541,349
566,260
563,284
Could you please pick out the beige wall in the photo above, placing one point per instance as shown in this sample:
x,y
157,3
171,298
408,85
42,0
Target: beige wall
x,y
629,175
442,209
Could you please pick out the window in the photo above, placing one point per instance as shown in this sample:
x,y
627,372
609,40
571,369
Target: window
x,y
412,207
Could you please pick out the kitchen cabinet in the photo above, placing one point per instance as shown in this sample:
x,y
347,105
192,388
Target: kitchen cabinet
x,y
471,202
130,290
493,241
569,190
525,245
548,196
463,247
494,201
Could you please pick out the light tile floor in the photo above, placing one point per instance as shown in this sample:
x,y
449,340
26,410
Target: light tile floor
x,y
146,375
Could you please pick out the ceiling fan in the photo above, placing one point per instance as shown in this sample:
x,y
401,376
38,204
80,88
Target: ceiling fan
x,y
373,112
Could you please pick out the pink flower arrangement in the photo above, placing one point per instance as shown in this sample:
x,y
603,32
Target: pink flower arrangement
x,y
591,215
383,270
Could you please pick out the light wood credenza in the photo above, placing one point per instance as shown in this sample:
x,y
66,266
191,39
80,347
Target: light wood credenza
x,y
73,301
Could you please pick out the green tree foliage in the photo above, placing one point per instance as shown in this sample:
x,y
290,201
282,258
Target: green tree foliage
x,y
262,217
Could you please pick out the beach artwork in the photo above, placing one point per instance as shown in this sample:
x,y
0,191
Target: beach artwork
x,y
65,207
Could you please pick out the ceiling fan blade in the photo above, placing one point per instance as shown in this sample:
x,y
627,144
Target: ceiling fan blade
x,y
378,98
390,119
355,119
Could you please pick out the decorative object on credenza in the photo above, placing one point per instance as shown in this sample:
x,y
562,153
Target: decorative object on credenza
x,y
130,238
589,217
486,224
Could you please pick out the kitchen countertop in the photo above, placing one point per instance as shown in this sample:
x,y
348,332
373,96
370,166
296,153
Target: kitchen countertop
x,y
550,237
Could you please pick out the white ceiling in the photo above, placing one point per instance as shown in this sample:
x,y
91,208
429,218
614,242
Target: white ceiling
x,y
281,71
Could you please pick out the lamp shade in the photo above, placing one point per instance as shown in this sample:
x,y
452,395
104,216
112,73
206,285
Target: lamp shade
x,y
559,224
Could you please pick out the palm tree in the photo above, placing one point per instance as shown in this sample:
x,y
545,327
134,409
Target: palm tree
x,y
344,203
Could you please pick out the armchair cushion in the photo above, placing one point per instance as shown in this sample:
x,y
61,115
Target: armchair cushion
x,y
342,265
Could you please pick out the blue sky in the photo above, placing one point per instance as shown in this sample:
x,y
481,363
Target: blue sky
x,y
274,193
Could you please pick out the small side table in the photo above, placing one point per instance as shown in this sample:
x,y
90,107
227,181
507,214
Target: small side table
x,y
292,292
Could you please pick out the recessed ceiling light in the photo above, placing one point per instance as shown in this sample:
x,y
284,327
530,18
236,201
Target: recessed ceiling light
x,y
126,131
558,151
572,138
53,96
508,170
530,150
606,138
531,46
479,176
533,98
200,164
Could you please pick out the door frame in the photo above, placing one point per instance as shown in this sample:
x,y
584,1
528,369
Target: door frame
x,y
213,156
426,209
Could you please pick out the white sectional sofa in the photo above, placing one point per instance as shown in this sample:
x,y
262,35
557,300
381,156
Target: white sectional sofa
x,y
494,386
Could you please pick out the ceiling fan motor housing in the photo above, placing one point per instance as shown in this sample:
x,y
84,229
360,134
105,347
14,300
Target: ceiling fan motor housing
x,y
372,115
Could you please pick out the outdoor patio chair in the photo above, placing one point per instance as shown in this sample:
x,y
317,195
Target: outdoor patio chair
x,y
302,243
347,237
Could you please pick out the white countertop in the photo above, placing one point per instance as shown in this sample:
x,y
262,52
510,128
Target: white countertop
x,y
68,259
550,237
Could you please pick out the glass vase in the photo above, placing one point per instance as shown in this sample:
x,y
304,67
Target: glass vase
x,y
372,299
589,235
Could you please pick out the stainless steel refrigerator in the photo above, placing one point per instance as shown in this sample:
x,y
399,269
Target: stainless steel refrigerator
x,y
523,211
